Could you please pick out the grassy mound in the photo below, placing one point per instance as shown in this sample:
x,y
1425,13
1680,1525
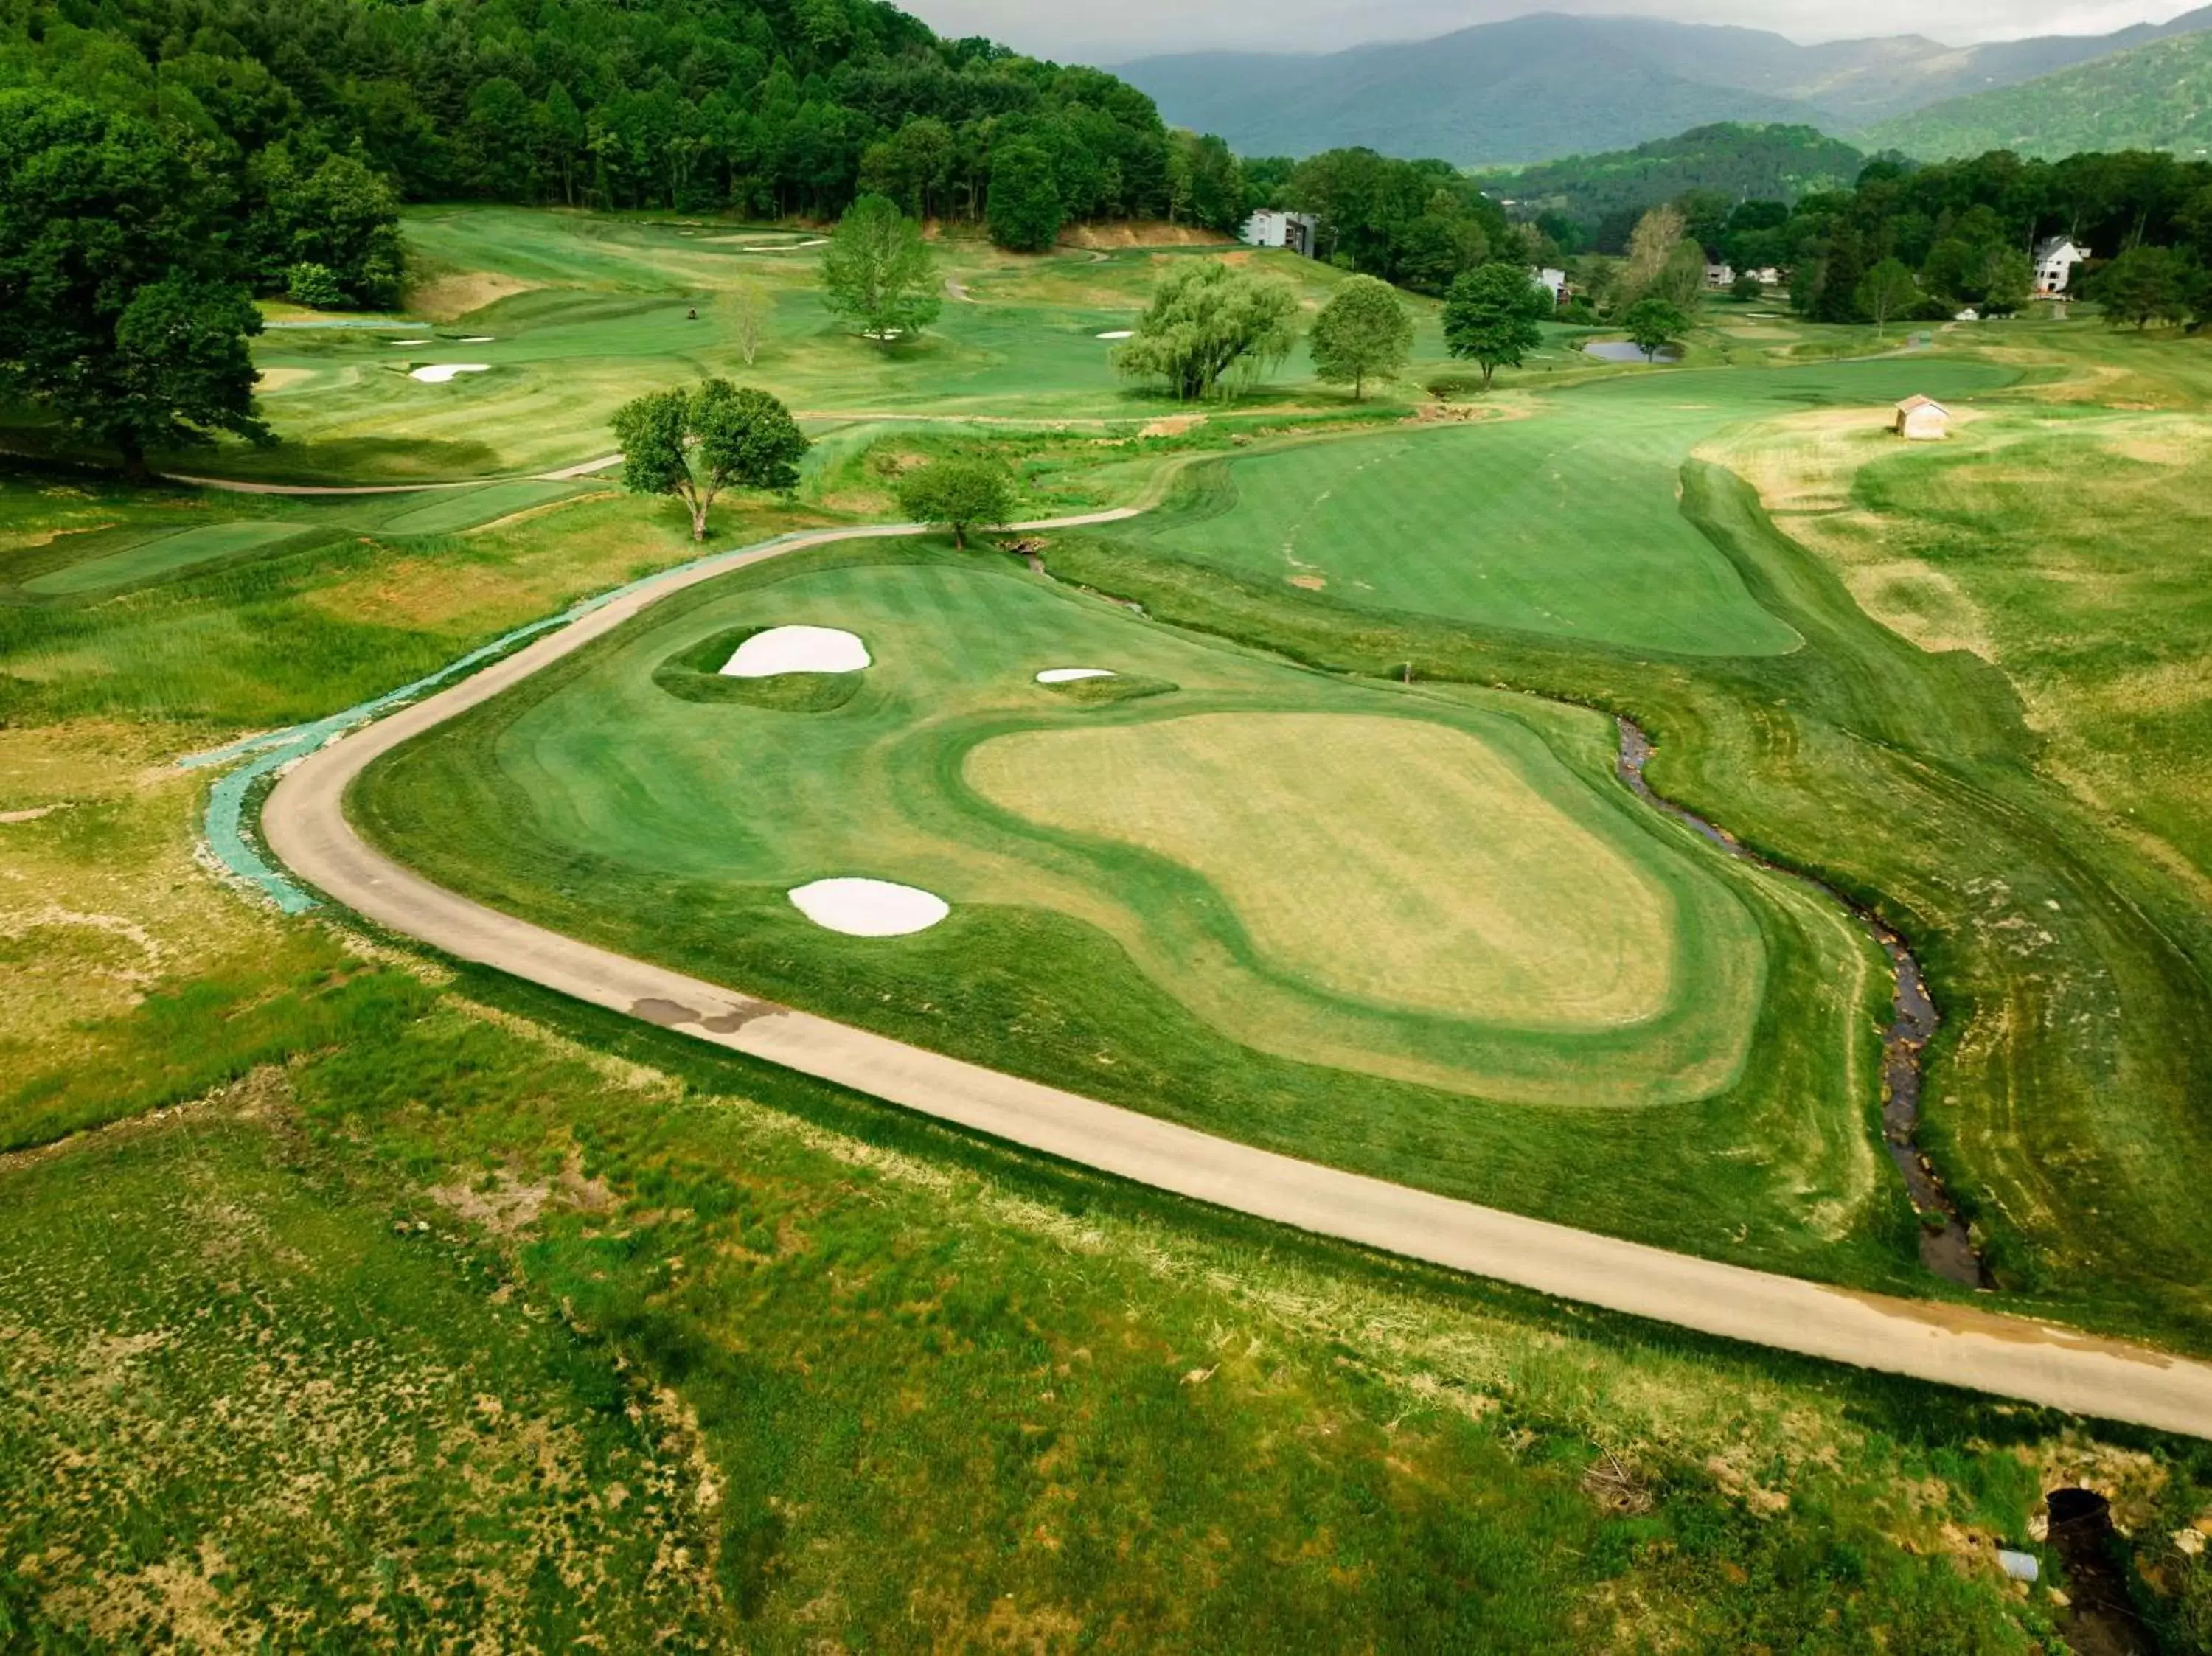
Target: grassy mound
x,y
1104,692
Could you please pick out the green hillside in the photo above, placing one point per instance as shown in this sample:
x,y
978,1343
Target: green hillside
x,y
2155,97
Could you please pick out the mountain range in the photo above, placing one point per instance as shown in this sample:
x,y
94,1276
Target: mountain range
x,y
1548,84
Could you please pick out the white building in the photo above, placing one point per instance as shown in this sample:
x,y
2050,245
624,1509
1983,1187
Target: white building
x,y
1269,229
2055,260
1718,276
1923,420
1553,282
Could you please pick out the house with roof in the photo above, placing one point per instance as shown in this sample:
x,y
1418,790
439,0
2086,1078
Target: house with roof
x,y
2055,260
1270,228
1923,420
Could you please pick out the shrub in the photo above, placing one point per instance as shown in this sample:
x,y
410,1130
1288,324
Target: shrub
x,y
316,287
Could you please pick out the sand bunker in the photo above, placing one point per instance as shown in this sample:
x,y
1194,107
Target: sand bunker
x,y
437,373
1069,675
1118,333
869,908
479,339
797,649
409,342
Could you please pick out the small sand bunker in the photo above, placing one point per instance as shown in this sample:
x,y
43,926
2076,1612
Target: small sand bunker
x,y
479,338
1070,674
410,341
437,373
1120,333
797,649
869,908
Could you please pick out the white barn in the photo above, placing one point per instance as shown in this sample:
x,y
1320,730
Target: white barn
x,y
2055,260
1269,229
1923,420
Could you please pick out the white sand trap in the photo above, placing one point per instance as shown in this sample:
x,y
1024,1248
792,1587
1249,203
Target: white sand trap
x,y
437,373
1120,333
797,649
1069,675
869,908
410,342
479,339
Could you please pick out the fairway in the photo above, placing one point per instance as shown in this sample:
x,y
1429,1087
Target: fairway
x,y
1566,522
1391,860
164,555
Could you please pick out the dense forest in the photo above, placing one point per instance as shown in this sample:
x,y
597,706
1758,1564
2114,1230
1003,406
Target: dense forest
x,y
755,106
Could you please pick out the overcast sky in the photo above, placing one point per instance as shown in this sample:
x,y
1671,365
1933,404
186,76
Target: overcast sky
x,y
1118,30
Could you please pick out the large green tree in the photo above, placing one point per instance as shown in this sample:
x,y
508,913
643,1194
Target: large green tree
x,y
1887,292
1208,324
118,311
878,273
694,445
2143,285
1489,317
1653,323
1363,333
962,494
1024,213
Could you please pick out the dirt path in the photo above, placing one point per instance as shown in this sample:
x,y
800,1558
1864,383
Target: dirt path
x,y
306,825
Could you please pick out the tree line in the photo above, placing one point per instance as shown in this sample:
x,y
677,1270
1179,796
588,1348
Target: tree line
x,y
1913,241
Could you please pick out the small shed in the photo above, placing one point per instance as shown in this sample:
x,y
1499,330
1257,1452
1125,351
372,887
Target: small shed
x,y
1923,420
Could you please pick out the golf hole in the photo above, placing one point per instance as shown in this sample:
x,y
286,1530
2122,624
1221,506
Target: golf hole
x,y
437,373
869,908
1070,675
797,649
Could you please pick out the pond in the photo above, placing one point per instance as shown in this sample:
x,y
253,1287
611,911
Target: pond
x,y
1623,351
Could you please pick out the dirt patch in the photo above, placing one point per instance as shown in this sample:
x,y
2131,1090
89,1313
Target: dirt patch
x,y
446,298
279,379
1176,425
1310,583
1140,233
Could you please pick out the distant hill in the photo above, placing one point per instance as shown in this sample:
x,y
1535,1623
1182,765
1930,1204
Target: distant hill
x,y
1766,163
1544,86
2155,97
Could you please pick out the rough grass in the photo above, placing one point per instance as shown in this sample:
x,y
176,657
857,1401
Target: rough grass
x,y
1389,859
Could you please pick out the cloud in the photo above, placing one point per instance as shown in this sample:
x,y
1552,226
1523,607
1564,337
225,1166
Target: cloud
x,y
1138,29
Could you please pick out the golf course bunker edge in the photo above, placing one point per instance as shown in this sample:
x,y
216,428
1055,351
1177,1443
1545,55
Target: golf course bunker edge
x,y
869,908
797,649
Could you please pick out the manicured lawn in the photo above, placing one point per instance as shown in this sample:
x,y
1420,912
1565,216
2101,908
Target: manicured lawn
x,y
1563,520
163,555
1421,934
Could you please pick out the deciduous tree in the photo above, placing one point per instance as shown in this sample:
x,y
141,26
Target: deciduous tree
x,y
1024,209
1489,317
878,273
1653,322
693,444
1887,292
2143,285
962,494
117,309
1364,333
1208,323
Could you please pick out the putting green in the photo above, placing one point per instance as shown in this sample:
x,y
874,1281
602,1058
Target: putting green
x,y
162,556
1566,522
1374,879
1391,860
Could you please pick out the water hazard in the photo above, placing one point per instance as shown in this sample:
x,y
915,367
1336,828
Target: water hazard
x,y
1945,1246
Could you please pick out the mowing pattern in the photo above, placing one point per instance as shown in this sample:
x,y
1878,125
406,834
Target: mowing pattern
x,y
1391,860
1560,973
1565,523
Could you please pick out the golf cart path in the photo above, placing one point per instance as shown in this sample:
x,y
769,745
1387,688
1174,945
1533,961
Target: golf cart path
x,y
306,825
